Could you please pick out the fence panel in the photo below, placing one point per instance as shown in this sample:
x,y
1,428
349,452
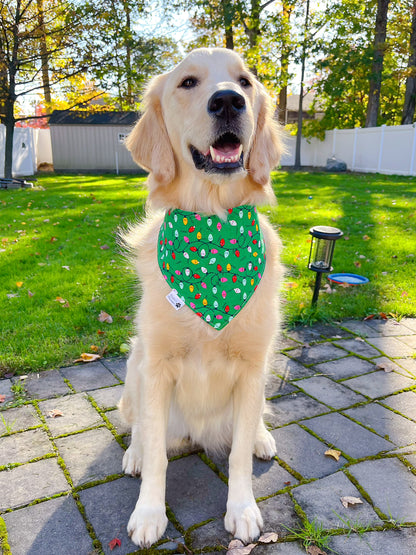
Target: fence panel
x,y
389,150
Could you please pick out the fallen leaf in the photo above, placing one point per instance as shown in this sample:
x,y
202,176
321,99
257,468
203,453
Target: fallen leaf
x,y
347,501
236,547
11,295
291,285
344,285
53,239
94,348
357,264
383,316
19,283
315,550
385,367
334,453
2,398
269,537
87,357
104,317
104,247
369,317
66,268
366,238
54,413
99,332
115,542
359,339
30,294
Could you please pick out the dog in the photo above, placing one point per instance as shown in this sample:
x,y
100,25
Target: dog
x,y
209,268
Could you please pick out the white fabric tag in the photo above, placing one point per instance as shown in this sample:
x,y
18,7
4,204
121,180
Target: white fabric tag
x,y
174,300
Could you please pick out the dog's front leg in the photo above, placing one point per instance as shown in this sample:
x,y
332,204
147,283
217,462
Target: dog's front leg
x,y
148,521
243,518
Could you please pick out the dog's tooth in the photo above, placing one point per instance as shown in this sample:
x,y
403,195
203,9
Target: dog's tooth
x,y
212,152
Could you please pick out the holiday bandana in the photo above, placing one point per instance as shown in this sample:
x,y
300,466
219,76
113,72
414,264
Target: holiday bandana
x,y
213,266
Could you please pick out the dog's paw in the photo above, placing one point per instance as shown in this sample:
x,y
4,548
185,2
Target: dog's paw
x,y
132,462
147,525
265,445
243,520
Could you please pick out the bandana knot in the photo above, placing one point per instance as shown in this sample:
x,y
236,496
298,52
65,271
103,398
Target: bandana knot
x,y
213,265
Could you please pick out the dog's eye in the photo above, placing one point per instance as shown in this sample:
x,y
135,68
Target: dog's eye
x,y
189,83
244,82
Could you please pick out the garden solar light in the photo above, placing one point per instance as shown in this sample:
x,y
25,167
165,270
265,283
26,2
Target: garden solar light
x,y
322,251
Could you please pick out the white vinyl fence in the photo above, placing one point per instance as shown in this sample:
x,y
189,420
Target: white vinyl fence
x,y
389,150
31,147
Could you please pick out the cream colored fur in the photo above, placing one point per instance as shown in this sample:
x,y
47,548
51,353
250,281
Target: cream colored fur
x,y
187,382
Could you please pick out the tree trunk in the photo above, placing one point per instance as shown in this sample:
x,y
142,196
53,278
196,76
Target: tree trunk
x,y
44,56
227,12
410,94
127,43
377,65
284,62
9,122
10,99
297,165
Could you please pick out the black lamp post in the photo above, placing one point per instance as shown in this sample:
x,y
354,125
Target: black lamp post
x,y
322,251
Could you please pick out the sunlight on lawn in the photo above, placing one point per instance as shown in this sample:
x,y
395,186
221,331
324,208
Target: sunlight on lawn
x,y
61,265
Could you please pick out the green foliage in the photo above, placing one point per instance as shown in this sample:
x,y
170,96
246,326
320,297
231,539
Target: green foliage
x,y
129,56
344,66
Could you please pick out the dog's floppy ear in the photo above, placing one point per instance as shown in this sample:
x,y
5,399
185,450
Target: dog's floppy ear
x,y
267,145
149,142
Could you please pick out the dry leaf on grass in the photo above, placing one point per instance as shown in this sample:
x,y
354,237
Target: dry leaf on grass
x,y
348,500
54,413
2,398
334,453
315,550
87,357
104,317
236,547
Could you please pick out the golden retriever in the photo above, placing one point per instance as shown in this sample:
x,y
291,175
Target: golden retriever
x,y
209,141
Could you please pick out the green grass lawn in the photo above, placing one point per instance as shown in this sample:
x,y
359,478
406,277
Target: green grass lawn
x,y
60,265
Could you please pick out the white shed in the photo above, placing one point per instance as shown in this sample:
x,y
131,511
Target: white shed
x,y
92,142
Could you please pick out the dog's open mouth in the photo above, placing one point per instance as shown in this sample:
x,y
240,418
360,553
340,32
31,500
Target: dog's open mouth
x,y
225,155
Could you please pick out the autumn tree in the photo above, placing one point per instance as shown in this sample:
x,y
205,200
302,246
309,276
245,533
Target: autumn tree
x,y
129,56
27,55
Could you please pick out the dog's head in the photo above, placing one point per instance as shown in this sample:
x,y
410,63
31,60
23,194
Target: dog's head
x,y
208,121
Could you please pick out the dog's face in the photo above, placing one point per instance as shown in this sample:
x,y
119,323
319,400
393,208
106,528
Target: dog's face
x,y
209,119
210,105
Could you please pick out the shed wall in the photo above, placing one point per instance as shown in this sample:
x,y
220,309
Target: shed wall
x,y
91,148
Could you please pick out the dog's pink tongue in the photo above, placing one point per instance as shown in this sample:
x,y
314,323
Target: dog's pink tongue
x,y
227,150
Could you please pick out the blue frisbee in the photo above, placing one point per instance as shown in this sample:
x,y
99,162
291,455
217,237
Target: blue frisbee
x,y
351,279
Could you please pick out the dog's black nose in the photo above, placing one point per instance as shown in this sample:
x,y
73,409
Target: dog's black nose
x,y
226,104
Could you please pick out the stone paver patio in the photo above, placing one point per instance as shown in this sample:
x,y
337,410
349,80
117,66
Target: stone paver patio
x,y
350,386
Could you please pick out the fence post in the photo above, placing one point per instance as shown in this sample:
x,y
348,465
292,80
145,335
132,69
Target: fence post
x,y
334,141
354,149
412,159
380,154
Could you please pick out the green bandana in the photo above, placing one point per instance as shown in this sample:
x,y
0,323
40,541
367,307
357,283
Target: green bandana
x,y
213,266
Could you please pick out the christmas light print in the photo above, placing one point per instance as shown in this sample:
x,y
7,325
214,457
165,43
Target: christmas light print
x,y
213,265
